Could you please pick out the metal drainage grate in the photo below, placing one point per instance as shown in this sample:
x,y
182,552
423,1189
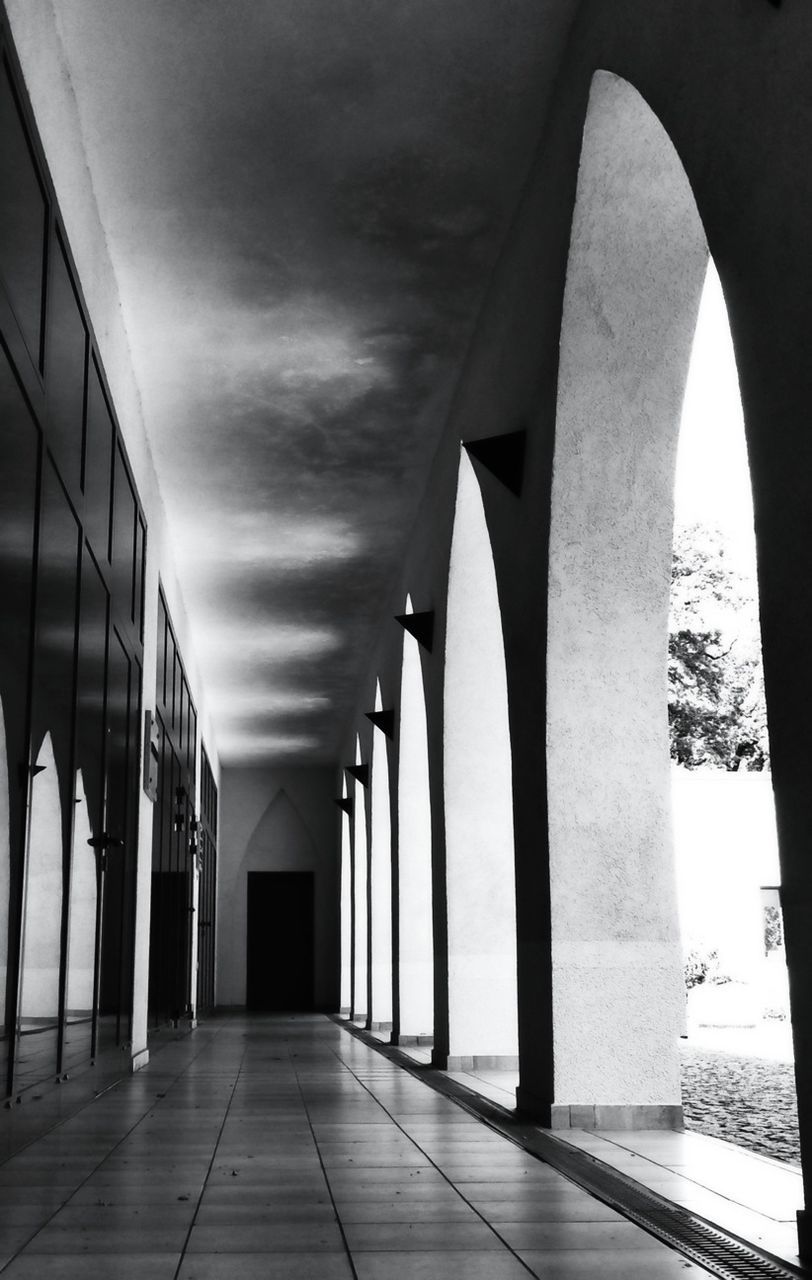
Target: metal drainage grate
x,y
718,1252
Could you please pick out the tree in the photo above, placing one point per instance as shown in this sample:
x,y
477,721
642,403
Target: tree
x,y
716,710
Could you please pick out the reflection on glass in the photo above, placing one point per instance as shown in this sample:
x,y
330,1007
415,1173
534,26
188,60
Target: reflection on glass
x,y
39,999
82,925
4,868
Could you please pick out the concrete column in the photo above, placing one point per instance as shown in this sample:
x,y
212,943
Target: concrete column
x,y
636,266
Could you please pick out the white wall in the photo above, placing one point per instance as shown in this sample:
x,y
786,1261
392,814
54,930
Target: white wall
x,y
726,849
414,852
482,1014
277,820
381,879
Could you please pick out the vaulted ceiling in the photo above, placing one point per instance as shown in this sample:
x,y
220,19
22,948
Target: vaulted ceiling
x,y
302,201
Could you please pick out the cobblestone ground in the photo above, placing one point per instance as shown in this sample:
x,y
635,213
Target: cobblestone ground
x,y
749,1101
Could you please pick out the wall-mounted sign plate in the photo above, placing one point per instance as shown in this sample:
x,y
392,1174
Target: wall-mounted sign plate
x,y
152,755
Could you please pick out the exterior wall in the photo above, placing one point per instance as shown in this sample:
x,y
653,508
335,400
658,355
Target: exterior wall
x,y
277,820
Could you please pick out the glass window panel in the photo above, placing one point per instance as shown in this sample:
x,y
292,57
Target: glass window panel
x,y
116,951
140,548
51,796
82,920
182,714
161,673
42,925
19,449
178,683
57,584
65,352
89,814
123,538
23,213
98,464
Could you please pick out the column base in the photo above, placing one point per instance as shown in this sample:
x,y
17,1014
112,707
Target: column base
x,y
482,1062
380,1026
614,1116
139,1060
426,1041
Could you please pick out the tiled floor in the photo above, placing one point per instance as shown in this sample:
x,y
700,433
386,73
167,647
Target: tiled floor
x,y
750,1195
286,1148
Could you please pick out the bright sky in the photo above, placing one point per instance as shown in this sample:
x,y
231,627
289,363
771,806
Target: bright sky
x,y
713,479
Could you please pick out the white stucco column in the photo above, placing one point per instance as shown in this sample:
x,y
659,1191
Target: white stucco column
x,y
636,267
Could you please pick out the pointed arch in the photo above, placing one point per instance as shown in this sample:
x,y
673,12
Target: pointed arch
x,y
416,958
478,797
636,266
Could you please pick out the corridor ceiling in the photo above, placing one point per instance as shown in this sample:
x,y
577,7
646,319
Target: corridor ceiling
x,y
302,201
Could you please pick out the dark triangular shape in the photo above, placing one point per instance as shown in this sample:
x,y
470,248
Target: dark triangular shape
x,y
383,720
360,772
419,625
345,803
24,771
503,456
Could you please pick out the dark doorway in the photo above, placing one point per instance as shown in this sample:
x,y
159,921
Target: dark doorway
x,y
279,971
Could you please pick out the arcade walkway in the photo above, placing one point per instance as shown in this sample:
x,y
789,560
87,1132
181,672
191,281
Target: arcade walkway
x,y
284,1148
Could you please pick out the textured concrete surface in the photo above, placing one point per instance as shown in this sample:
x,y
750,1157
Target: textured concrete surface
x,y
630,305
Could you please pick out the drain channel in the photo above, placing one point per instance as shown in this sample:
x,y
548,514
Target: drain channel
x,y
709,1246
718,1252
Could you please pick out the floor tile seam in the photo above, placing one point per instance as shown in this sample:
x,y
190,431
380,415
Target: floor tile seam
x,y
202,1191
445,1177
43,1225
121,1080
516,1139
327,1183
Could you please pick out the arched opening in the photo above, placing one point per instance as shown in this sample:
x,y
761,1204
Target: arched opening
x,y
346,909
636,267
481,890
416,933
42,923
381,881
360,981
726,844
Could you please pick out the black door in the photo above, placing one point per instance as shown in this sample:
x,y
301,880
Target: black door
x,y
280,940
